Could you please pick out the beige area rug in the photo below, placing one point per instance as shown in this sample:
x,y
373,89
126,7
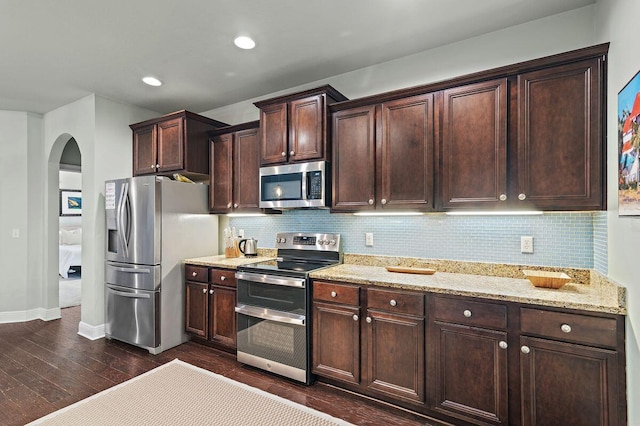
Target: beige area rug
x,y
178,393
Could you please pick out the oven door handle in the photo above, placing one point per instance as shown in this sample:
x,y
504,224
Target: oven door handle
x,y
271,315
272,279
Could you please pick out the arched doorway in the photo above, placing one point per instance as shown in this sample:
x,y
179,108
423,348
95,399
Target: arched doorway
x,y
70,226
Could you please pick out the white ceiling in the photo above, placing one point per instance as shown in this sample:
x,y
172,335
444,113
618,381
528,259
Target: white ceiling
x,y
57,51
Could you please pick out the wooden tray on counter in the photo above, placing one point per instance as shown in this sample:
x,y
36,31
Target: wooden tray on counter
x,y
410,270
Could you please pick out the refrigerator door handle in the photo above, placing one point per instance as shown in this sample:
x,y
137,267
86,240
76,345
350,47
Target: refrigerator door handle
x,y
124,196
131,295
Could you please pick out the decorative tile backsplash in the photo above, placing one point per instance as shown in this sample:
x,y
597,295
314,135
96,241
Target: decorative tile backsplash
x,y
576,240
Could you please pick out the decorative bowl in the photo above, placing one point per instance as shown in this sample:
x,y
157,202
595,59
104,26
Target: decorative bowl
x,y
547,279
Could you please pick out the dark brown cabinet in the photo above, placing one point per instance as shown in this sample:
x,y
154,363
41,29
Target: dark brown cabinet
x,y
210,305
235,164
384,156
294,127
570,369
381,354
176,142
560,137
474,145
467,362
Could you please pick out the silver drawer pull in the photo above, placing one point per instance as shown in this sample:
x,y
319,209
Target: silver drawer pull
x,y
467,313
566,328
368,320
525,349
393,302
334,294
222,278
195,274
355,318
503,344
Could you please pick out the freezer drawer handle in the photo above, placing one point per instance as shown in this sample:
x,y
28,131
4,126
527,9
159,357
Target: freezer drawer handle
x,y
131,295
131,270
268,314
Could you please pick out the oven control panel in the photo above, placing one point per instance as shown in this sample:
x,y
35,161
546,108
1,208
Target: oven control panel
x,y
308,241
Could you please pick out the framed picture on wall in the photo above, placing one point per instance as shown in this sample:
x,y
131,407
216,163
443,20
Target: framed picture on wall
x,y
629,148
70,202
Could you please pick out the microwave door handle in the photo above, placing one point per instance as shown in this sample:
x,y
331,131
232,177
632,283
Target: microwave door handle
x,y
305,186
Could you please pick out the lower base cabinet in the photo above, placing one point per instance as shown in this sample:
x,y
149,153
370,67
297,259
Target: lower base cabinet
x,y
470,361
210,306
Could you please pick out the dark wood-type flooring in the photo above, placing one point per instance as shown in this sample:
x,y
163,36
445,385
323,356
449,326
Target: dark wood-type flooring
x,y
46,365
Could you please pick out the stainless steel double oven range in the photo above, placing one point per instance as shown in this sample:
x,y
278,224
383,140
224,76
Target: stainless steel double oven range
x,y
274,303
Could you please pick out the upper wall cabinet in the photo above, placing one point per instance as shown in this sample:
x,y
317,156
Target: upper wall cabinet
x,y
560,137
383,156
235,162
474,145
176,142
293,128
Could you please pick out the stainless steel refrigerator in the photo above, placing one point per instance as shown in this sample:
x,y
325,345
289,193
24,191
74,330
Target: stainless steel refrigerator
x,y
153,223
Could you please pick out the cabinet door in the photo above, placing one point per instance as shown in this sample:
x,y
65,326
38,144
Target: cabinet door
x,y
144,150
222,318
221,174
468,373
306,129
568,384
246,160
395,356
336,342
474,145
196,312
560,147
354,168
171,145
406,153
273,134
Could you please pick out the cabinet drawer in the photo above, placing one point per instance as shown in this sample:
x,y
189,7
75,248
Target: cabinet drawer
x,y
479,314
337,293
196,273
224,277
395,301
570,327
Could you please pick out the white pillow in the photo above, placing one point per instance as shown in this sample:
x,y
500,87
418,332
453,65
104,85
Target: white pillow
x,y
71,237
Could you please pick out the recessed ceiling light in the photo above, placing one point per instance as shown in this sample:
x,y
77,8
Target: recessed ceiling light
x,y
244,42
152,81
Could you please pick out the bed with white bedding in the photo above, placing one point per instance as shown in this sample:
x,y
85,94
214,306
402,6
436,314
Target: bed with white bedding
x,y
70,249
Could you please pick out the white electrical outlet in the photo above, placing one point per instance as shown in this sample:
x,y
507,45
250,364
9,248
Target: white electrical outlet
x,y
368,239
241,233
526,244
15,233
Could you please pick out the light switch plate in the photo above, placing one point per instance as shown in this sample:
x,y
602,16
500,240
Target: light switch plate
x,y
368,239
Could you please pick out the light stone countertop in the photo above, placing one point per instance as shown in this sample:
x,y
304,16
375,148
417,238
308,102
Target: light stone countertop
x,y
220,261
599,295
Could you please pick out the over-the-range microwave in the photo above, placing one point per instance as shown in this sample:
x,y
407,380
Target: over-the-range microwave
x,y
295,185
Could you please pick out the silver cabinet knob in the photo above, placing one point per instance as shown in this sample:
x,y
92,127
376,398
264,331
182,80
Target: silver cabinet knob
x,y
383,201
153,166
334,294
204,290
228,205
284,154
368,320
235,206
467,313
522,197
503,344
222,278
292,152
566,328
525,349
393,302
355,318
211,291
195,274
370,201
157,166
503,197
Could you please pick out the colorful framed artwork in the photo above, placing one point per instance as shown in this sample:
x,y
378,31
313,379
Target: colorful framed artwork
x,y
70,202
629,148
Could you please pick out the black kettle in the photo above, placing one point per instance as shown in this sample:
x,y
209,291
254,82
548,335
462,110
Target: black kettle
x,y
248,247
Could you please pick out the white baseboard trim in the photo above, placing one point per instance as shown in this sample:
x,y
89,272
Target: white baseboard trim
x,y
30,315
91,332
